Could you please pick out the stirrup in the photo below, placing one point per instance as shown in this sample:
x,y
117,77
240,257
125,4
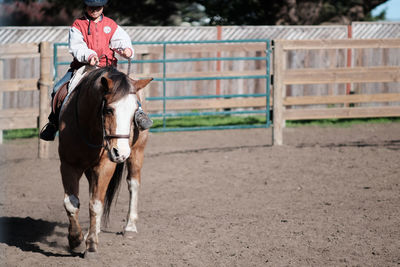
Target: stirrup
x,y
142,120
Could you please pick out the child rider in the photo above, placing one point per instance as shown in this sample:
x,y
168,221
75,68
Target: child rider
x,y
93,39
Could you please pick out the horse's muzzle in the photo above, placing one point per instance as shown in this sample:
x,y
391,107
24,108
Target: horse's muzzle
x,y
116,156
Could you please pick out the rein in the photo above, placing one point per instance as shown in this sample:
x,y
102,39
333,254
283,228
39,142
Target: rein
x,y
129,67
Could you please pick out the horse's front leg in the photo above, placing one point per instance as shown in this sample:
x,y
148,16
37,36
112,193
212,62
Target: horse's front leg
x,y
99,179
134,164
70,179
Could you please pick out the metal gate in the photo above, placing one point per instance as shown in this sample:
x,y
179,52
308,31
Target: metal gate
x,y
164,114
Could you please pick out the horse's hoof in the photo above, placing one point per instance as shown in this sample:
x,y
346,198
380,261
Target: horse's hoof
x,y
90,255
80,249
130,234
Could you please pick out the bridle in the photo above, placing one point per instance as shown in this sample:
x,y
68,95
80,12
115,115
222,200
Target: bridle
x,y
108,137
105,137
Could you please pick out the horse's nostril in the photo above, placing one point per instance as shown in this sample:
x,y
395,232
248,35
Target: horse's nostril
x,y
115,150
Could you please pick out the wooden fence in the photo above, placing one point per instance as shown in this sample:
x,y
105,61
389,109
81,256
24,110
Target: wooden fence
x,y
30,117
283,104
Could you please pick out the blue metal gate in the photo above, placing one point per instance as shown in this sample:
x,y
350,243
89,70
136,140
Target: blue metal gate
x,y
165,114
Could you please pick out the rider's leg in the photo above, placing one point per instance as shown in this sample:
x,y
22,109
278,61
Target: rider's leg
x,y
49,131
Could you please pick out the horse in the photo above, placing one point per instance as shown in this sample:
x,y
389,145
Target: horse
x,y
97,136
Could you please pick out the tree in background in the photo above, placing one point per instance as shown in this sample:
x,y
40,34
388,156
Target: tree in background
x,y
289,12
195,12
134,12
30,13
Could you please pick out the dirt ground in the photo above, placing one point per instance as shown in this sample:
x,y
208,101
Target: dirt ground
x,y
328,197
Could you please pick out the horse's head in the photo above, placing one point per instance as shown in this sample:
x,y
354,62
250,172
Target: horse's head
x,y
119,106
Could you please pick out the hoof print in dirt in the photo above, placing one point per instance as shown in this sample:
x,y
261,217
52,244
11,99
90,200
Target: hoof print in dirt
x,y
90,255
130,234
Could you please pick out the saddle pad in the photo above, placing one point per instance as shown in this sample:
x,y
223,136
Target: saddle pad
x,y
76,78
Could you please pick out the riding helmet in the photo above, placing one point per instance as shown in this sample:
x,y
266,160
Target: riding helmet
x,y
95,2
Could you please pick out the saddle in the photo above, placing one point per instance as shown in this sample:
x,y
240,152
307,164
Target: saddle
x,y
68,87
59,97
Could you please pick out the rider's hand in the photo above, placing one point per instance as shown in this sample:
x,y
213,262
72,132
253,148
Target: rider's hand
x,y
94,61
127,53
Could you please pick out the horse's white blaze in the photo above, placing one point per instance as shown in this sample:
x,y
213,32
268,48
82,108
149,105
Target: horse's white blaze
x,y
71,204
123,111
133,186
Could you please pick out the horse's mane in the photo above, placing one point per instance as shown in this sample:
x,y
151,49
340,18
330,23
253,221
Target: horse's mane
x,y
121,83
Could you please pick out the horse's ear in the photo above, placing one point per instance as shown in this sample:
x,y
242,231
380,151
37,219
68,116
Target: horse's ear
x,y
140,84
107,84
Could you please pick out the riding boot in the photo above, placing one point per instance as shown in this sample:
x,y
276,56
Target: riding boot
x,y
142,120
49,131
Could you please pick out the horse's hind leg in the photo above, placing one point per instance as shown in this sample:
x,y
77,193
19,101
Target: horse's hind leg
x,y
70,178
134,164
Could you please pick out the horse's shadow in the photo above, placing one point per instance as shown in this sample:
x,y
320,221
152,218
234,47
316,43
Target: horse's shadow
x,y
25,233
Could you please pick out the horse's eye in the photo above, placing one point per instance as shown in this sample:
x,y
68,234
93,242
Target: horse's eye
x,y
108,111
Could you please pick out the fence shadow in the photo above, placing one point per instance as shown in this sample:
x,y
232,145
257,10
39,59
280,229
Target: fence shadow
x,y
25,233
207,149
389,144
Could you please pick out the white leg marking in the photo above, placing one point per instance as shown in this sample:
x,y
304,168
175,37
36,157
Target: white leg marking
x,y
71,204
98,210
133,186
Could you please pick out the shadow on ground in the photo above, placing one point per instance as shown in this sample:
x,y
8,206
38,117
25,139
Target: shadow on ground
x,y
390,144
26,233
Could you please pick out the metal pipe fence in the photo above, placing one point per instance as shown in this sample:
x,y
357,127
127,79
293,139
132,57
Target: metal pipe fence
x,y
164,113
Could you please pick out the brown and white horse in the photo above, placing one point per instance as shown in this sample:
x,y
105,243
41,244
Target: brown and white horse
x,y
97,136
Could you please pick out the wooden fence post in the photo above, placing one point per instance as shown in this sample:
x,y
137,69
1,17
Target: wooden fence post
x,y
1,97
279,90
44,85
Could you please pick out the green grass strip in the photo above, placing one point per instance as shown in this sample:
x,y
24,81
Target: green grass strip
x,y
342,123
217,120
224,120
20,133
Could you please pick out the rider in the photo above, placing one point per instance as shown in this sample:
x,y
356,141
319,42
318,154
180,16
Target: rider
x,y
93,39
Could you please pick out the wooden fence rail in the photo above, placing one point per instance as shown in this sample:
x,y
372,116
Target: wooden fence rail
x,y
28,117
371,74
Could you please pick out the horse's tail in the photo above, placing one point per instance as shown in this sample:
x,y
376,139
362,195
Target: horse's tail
x,y
112,190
